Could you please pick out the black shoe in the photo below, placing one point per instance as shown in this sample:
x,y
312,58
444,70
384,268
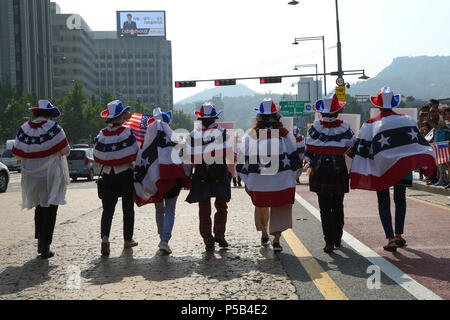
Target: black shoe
x,y
46,253
276,247
328,248
338,244
210,247
221,241
264,241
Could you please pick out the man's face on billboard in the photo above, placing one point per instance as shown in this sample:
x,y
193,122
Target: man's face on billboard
x,y
129,17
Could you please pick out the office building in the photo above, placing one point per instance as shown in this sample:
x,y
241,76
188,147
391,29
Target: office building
x,y
309,89
25,51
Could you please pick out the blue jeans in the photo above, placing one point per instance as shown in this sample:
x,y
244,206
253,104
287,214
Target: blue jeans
x,y
384,208
165,217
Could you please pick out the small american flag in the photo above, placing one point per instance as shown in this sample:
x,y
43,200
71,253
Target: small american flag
x,y
441,150
138,124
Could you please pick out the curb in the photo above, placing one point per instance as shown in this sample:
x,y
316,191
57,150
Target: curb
x,y
431,189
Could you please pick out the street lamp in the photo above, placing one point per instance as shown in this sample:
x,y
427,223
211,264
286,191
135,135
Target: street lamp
x,y
296,40
339,47
317,76
364,76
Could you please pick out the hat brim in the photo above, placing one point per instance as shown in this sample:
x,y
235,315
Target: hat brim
x,y
55,110
258,111
320,103
200,116
396,100
105,114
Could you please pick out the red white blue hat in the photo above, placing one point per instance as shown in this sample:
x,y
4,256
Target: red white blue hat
x,y
159,114
386,99
115,108
330,104
46,105
207,111
268,106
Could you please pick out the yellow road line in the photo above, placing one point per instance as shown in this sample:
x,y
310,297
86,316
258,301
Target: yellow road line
x,y
321,279
428,202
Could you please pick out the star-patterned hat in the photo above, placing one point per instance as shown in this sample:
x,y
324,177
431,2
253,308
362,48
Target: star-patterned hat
x,y
386,99
330,104
46,105
115,108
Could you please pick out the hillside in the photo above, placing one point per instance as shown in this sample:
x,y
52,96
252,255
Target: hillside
x,y
238,90
423,77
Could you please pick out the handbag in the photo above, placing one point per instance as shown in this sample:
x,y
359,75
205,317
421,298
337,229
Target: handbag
x,y
100,186
328,165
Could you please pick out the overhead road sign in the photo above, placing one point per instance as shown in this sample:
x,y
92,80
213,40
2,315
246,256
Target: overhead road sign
x,y
295,108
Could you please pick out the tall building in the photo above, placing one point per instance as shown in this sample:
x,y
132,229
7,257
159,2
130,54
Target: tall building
x,y
25,51
309,89
134,69
73,54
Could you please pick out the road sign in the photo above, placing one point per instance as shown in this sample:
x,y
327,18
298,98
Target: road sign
x,y
340,81
340,92
294,108
309,108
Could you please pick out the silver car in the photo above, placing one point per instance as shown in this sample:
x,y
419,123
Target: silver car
x,y
81,164
10,161
4,177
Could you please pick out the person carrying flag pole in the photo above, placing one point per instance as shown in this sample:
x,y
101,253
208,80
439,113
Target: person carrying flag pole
x,y
158,177
116,148
268,163
301,148
388,149
328,141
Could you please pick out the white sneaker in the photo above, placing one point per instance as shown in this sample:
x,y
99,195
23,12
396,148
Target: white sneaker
x,y
164,246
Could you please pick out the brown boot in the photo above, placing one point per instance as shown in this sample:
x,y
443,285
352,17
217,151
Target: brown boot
x,y
105,249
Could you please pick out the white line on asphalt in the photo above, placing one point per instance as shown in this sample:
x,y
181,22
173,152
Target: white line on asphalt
x,y
406,282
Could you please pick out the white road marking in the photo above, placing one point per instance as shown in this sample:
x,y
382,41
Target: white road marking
x,y
406,282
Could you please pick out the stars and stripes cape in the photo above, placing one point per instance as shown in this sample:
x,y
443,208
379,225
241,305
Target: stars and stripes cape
x,y
115,147
389,147
157,170
39,139
329,136
138,124
269,187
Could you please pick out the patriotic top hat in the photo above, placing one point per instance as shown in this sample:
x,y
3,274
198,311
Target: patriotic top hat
x,y
386,99
330,104
267,107
207,111
159,114
115,108
46,105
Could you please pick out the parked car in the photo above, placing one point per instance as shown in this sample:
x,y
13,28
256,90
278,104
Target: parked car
x,y
10,161
81,164
4,177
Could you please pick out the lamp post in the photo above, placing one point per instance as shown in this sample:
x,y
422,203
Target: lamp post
x,y
317,76
339,47
296,40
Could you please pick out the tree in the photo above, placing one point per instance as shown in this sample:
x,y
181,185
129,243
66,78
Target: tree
x,y
72,119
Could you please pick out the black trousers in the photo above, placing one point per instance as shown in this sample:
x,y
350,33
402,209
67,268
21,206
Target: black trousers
x,y
332,215
44,224
116,186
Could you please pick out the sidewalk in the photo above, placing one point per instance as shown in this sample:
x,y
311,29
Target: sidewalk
x,y
422,186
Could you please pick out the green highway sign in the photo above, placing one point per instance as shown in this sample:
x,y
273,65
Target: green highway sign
x,y
296,108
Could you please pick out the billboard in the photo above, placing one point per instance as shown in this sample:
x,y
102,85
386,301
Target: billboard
x,y
141,23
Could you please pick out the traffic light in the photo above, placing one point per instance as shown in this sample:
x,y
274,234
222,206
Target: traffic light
x,y
185,84
229,82
270,80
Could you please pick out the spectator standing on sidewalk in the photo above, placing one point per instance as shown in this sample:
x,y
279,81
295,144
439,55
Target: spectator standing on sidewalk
x,y
441,135
268,165
116,148
328,141
433,122
41,145
209,147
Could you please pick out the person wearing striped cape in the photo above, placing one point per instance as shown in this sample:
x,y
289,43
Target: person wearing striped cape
x,y
269,164
116,148
328,141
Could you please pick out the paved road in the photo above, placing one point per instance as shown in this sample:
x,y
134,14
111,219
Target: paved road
x,y
246,271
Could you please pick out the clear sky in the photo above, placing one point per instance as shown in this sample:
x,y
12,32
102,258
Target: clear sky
x,y
243,38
